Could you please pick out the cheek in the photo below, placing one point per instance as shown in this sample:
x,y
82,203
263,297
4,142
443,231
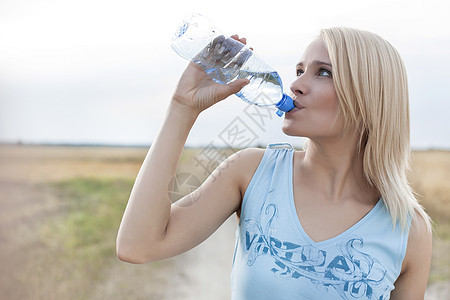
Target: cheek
x,y
327,103
329,116
328,97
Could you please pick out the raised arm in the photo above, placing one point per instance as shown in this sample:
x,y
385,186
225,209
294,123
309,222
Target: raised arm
x,y
151,227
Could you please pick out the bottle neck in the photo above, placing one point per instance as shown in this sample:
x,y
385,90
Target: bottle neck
x,y
284,105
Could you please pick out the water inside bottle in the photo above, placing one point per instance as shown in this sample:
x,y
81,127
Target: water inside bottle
x,y
225,59
264,89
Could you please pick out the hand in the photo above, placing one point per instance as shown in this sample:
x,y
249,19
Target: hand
x,y
196,91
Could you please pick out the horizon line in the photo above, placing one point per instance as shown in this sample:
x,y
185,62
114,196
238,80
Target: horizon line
x,y
147,145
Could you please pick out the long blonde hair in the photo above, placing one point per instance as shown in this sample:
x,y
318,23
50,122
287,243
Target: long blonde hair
x,y
370,80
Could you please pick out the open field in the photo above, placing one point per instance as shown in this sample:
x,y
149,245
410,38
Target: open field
x,y
60,208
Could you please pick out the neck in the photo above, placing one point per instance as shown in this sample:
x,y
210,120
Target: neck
x,y
337,167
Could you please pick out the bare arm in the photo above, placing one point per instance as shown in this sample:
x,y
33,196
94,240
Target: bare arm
x,y
412,282
153,229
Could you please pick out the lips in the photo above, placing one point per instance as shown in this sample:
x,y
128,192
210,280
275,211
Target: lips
x,y
297,105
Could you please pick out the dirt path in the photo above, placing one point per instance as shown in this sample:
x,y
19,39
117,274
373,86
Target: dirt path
x,y
438,291
201,274
206,269
17,238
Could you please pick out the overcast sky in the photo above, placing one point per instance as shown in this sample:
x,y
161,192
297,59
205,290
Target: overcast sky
x,y
103,71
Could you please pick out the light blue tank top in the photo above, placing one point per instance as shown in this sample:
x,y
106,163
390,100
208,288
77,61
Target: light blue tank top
x,y
275,259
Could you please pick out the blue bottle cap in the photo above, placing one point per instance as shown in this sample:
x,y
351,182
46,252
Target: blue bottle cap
x,y
284,105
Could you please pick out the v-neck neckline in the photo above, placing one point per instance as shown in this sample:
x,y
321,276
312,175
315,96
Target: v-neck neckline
x,y
298,224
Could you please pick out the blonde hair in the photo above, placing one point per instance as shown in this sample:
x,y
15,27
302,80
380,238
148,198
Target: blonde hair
x,y
370,81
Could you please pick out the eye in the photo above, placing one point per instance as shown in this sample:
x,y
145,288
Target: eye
x,y
299,72
325,72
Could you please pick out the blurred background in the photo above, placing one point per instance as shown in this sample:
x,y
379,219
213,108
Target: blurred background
x,y
84,86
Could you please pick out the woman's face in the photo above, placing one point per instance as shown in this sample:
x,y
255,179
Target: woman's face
x,y
316,104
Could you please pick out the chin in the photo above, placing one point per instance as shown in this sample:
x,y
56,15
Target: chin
x,y
292,128
288,128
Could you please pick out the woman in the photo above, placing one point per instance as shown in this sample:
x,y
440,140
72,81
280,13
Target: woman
x,y
337,220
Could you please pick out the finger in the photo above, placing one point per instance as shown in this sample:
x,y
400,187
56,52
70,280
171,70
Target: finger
x,y
232,88
242,40
237,85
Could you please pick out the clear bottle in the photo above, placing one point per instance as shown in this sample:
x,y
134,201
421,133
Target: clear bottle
x,y
224,59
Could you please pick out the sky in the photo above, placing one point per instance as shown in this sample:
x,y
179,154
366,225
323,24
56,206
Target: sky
x,y
103,71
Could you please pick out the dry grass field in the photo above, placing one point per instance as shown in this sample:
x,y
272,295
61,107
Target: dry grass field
x,y
60,208
429,177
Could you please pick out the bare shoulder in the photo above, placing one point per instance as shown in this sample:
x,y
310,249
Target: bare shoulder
x,y
243,165
419,246
250,155
412,282
247,160
420,231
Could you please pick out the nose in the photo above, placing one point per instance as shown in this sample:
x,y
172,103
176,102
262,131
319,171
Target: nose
x,y
299,86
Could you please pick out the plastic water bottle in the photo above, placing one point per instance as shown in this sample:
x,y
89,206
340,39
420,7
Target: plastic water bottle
x,y
224,59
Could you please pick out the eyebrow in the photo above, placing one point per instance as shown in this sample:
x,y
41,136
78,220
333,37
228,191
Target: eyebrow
x,y
315,62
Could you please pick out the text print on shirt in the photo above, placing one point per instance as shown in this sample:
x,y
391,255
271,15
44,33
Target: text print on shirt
x,y
352,273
